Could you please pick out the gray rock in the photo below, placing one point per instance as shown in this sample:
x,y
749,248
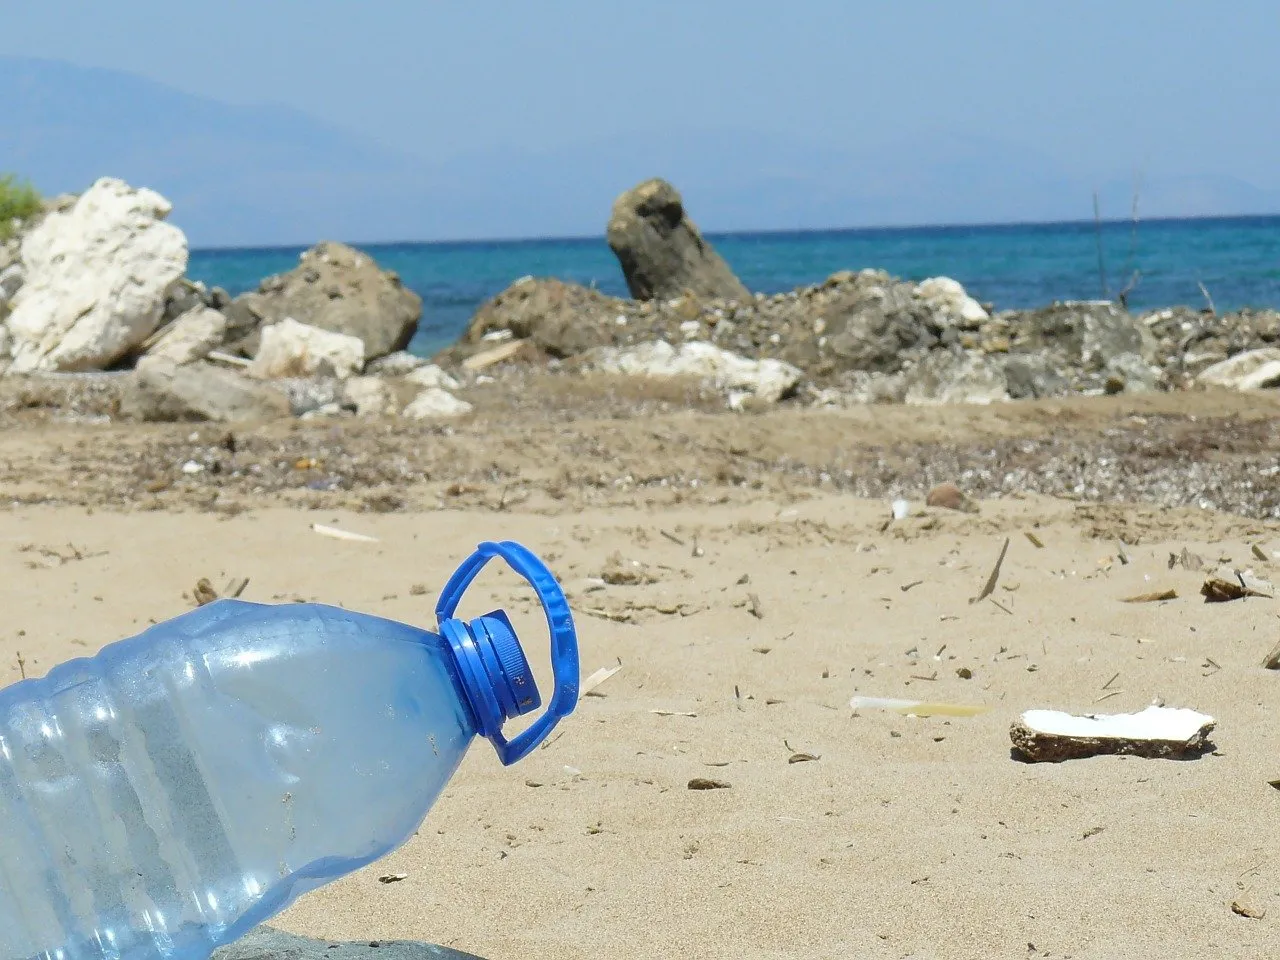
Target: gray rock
x,y
182,298
1129,373
870,322
1031,376
200,391
268,944
309,394
342,290
661,251
244,319
1086,336
11,278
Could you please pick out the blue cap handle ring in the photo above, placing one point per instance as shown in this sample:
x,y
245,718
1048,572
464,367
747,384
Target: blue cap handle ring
x,y
564,639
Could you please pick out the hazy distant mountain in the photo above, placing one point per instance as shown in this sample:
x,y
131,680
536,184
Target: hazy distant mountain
x,y
265,175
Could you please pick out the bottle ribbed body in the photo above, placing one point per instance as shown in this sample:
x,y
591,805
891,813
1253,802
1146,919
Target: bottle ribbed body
x,y
162,798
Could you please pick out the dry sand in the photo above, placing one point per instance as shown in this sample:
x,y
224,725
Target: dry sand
x,y
904,838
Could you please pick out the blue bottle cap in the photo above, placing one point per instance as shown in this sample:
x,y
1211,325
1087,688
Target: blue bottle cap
x,y
506,664
495,673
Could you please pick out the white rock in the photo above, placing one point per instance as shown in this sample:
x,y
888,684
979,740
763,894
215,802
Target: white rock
x,y
293,349
434,403
395,364
369,395
942,378
96,278
189,338
432,376
1251,370
767,380
949,296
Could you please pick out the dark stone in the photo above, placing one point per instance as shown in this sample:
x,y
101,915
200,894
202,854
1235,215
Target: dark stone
x,y
661,251
268,944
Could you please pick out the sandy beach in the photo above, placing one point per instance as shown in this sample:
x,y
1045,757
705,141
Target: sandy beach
x,y
752,596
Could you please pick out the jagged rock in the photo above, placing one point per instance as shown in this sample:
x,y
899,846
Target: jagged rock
x,y
97,274
767,380
1032,376
661,251
188,338
370,396
293,349
432,376
395,364
268,944
871,322
1081,337
5,342
948,297
434,403
200,391
342,290
1254,370
944,377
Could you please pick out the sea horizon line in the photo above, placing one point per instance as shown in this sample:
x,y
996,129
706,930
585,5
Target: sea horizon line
x,y
768,232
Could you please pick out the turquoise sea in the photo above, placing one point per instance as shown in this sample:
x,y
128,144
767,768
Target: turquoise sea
x,y
1025,265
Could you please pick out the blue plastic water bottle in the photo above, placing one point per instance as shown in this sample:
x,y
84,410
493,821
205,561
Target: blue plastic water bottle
x,y
163,798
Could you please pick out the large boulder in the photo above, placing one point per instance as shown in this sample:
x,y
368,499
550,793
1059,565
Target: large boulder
x,y
342,290
200,391
661,251
96,277
268,944
293,349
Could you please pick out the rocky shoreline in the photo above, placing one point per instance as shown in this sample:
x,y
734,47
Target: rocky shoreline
x,y
98,319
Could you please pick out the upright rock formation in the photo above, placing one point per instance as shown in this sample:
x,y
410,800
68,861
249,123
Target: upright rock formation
x,y
662,254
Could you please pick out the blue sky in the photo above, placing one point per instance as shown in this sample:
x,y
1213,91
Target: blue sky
x,y
1085,93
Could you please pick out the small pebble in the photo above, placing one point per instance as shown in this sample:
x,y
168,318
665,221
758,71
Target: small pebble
x,y
950,497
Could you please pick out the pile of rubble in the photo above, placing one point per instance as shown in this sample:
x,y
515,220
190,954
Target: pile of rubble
x,y
98,284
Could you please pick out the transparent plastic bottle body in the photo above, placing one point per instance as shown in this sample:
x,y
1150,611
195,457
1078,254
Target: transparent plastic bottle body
x,y
165,797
